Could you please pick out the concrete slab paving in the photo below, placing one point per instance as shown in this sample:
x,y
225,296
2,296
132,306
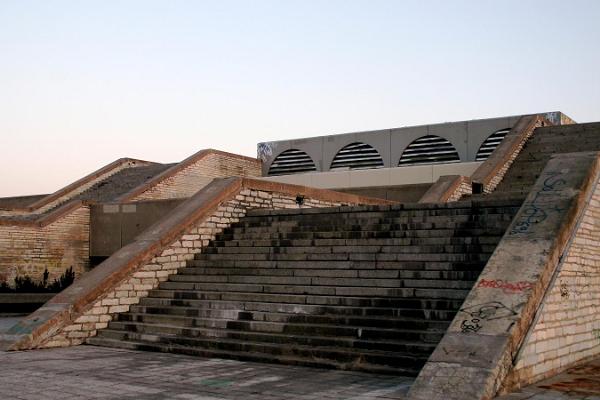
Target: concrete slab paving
x,y
88,372
7,321
582,382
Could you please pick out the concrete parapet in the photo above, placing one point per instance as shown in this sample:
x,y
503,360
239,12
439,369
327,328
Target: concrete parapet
x,y
481,347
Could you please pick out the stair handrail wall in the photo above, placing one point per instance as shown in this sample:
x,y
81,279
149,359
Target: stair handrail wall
x,y
63,195
110,288
448,188
489,174
478,351
177,168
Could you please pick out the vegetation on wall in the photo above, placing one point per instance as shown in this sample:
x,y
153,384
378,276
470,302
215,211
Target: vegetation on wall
x,y
25,284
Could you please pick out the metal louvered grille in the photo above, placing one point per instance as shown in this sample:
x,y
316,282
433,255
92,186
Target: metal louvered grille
x,y
357,156
429,149
490,144
292,161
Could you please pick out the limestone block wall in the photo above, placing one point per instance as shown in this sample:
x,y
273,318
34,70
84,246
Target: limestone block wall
x,y
194,176
173,256
29,249
567,325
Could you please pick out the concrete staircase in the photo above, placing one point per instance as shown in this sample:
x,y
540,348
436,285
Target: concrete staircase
x,y
364,288
545,142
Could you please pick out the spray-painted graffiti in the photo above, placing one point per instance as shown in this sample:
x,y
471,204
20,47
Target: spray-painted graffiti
x,y
484,312
507,287
265,151
534,211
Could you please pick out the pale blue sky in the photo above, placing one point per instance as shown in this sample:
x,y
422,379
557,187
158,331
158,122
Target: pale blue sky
x,y
83,83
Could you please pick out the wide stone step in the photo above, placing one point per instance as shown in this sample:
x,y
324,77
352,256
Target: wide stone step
x,y
387,233
412,348
430,241
353,301
409,288
209,317
326,227
386,307
341,356
408,329
160,344
271,275
295,248
344,256
345,265
281,283
345,221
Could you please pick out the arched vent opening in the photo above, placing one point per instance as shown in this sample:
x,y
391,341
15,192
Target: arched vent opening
x,y
490,144
292,161
357,156
429,149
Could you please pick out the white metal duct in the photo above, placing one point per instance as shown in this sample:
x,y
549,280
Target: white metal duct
x,y
357,156
292,161
429,149
490,144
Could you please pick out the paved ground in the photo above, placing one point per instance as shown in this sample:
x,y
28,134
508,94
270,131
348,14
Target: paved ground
x,y
577,383
7,322
87,372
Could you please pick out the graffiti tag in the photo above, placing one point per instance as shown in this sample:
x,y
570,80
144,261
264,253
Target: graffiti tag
x,y
507,287
532,211
484,312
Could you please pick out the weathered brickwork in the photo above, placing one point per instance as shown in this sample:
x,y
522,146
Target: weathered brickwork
x,y
28,250
74,191
492,171
462,189
194,177
567,326
499,174
172,257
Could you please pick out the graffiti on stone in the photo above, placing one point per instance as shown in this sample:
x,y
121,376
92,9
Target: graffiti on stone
x,y
534,211
265,151
479,313
507,287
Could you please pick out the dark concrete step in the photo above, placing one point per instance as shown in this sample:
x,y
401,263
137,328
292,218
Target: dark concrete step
x,y
229,318
413,348
422,300
325,226
385,307
344,256
440,241
344,265
323,317
405,329
339,355
374,220
269,275
272,283
332,287
153,343
295,248
367,233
